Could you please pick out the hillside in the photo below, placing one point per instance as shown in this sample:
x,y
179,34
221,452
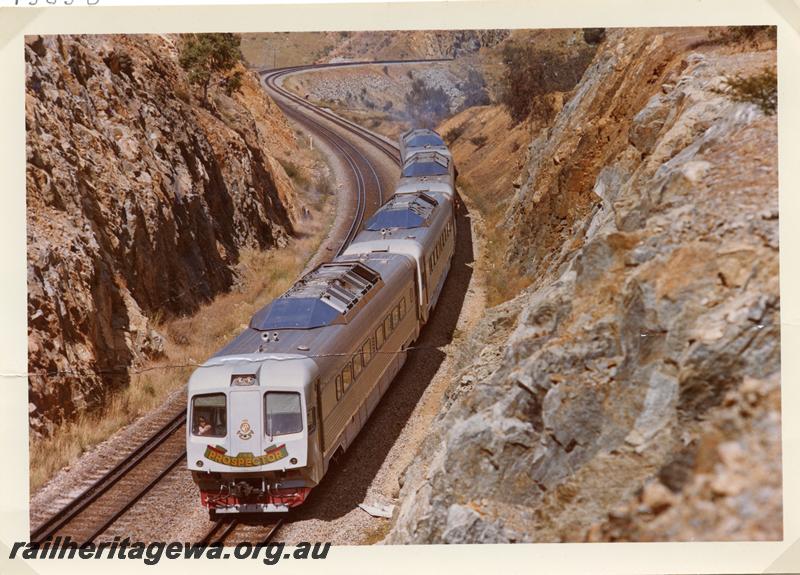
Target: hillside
x,y
631,391
140,202
280,49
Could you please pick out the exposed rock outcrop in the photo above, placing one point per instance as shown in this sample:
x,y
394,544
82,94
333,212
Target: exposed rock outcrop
x,y
637,396
418,44
139,200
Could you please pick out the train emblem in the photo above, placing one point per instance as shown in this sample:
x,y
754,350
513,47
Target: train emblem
x,y
245,431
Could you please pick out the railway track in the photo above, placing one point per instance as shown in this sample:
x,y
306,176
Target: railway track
x,y
232,531
90,513
87,516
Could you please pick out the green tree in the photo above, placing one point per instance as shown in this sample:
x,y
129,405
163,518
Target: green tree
x,y
203,55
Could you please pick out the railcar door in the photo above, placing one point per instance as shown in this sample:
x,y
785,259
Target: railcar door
x,y
245,422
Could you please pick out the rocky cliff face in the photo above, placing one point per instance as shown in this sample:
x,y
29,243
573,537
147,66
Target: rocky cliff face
x,y
139,200
419,44
632,391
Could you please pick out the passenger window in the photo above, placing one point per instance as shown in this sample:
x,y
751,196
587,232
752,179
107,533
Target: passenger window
x,y
357,365
379,339
402,308
283,413
347,376
397,315
366,352
339,387
311,415
387,325
209,415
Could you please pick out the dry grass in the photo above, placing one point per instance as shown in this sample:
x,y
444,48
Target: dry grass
x,y
500,287
189,341
375,535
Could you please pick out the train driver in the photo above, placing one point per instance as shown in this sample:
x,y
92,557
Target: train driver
x,y
203,426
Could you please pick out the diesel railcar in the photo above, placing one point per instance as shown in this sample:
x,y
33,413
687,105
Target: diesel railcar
x,y
421,140
428,171
270,411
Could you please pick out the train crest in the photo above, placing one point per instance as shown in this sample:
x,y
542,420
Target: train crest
x,y
245,431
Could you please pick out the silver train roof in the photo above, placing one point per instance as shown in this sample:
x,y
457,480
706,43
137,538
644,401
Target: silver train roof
x,y
317,307
403,211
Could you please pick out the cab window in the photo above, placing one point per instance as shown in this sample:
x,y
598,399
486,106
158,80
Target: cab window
x,y
283,413
209,415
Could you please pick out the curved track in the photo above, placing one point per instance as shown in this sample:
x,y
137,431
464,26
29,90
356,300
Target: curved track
x,y
87,516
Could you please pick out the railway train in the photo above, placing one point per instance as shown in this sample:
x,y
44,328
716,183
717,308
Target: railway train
x,y
271,411
421,140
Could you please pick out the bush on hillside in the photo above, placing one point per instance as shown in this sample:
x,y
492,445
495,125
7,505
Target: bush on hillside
x,y
205,55
530,74
760,89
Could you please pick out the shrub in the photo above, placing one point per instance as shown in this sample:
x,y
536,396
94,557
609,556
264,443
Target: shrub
x,y
233,83
738,35
479,141
760,89
749,34
454,133
594,35
530,74
203,55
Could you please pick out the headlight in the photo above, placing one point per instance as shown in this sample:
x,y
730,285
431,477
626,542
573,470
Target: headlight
x,y
243,380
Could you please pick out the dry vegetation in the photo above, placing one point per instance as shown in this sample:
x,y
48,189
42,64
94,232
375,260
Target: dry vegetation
x,y
760,89
190,340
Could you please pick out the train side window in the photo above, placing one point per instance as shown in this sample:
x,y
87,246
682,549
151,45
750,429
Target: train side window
x,y
357,365
209,415
311,417
396,314
347,376
379,338
387,325
339,387
366,352
403,308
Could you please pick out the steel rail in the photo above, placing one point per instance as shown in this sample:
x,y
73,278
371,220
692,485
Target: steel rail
x,y
106,481
133,500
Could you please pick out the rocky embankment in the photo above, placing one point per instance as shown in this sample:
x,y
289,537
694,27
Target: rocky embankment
x,y
408,45
631,392
139,201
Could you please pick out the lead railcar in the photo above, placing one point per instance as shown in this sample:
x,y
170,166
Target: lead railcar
x,y
270,411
